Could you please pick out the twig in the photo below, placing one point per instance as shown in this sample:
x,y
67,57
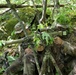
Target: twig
x,y
5,11
23,2
34,4
22,6
35,56
55,64
16,41
42,20
13,41
43,67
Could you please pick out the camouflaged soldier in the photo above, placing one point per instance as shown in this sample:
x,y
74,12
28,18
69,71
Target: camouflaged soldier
x,y
23,49
28,59
20,34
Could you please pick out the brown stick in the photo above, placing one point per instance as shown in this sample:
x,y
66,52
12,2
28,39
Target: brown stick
x,y
21,6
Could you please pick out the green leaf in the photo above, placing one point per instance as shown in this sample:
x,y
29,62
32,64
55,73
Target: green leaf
x,y
10,58
44,35
40,26
47,38
36,39
1,70
1,43
13,33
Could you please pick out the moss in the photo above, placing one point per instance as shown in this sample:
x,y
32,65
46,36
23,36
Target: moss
x,y
63,19
26,14
5,16
10,25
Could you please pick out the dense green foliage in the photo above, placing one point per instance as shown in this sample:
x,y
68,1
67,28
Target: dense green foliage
x,y
8,21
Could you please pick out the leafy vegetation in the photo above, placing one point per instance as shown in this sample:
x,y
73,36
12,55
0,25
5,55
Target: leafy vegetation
x,y
66,17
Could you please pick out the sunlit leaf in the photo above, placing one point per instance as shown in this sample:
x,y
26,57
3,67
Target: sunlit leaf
x,y
40,26
10,58
47,38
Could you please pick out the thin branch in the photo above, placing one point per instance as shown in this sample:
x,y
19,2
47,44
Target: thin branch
x,y
5,11
23,2
34,4
55,64
55,9
43,67
35,56
22,6
43,11
13,41
16,41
